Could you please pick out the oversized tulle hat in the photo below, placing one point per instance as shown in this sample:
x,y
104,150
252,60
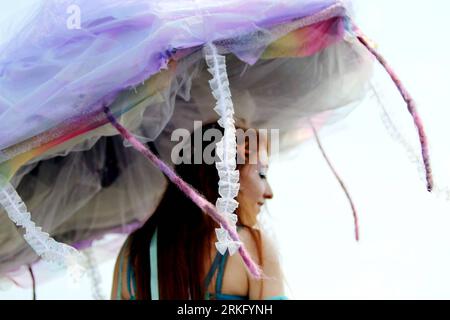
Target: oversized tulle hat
x,y
91,92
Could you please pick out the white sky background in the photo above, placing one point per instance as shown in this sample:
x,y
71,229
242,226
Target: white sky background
x,y
404,252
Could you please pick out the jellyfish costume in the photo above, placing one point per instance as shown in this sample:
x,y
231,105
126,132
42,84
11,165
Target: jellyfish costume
x,y
92,91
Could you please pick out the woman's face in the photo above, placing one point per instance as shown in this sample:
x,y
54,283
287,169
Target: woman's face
x,y
254,187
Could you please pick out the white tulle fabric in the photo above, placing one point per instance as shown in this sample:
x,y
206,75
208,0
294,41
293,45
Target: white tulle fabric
x,y
225,149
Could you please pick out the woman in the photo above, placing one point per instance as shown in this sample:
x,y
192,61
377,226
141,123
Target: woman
x,y
187,264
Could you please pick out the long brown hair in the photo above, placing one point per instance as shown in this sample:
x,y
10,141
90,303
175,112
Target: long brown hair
x,y
185,236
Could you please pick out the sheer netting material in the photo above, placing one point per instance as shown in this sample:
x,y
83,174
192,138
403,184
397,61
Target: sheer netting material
x,y
288,63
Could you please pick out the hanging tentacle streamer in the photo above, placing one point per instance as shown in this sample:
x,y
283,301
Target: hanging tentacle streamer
x,y
225,149
341,182
45,246
414,158
409,101
188,190
395,134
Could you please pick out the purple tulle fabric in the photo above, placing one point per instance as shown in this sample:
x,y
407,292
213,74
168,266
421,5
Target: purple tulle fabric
x,y
51,73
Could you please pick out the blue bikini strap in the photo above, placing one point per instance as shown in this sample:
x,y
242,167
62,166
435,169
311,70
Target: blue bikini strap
x,y
212,270
154,287
219,262
219,279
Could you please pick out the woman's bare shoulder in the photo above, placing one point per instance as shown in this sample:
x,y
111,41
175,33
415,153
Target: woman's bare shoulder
x,y
272,283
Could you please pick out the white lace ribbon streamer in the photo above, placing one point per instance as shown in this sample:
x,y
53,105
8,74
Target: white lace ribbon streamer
x,y
225,243
45,246
225,149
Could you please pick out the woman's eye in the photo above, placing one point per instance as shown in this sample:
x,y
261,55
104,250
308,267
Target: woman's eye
x,y
262,175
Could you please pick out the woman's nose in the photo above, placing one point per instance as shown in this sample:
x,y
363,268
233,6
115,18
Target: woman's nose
x,y
268,194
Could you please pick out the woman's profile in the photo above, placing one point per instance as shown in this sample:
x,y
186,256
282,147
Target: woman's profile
x,y
173,256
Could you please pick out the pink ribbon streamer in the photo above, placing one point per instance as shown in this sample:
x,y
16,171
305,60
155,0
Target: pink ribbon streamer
x,y
409,101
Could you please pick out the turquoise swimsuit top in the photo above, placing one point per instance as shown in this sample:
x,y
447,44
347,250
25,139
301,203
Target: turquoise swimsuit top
x,y
218,263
